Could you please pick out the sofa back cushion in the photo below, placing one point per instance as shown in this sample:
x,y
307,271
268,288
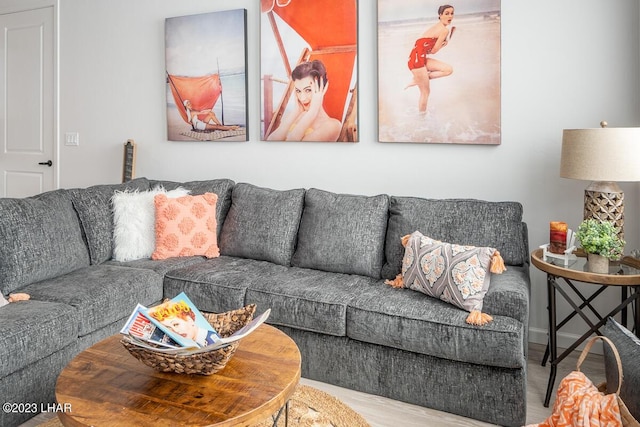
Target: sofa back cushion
x,y
262,223
95,211
40,238
222,187
460,221
342,233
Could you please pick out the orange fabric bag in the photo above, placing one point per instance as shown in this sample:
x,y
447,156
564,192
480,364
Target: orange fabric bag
x,y
579,403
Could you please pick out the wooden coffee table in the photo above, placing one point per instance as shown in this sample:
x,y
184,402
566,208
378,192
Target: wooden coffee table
x,y
106,386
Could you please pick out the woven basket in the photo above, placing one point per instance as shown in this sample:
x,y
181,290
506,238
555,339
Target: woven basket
x,y
206,363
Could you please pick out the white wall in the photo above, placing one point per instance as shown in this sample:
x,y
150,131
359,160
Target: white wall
x,y
565,64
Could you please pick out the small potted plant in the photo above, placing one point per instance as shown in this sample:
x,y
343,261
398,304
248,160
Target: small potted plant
x,y
601,242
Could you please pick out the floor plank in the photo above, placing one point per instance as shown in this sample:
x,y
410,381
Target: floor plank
x,y
383,412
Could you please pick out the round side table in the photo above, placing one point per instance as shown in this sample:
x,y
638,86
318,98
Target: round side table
x,y
560,278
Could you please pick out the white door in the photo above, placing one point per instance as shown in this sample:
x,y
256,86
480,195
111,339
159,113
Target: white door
x,y
27,139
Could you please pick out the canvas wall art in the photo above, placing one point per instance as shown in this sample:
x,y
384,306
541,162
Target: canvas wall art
x,y
309,68
439,71
206,71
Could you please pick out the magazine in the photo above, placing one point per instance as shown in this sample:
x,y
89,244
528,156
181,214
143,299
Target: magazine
x,y
223,342
140,327
152,346
183,322
239,334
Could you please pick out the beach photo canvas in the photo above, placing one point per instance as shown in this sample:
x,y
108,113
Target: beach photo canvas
x,y
206,71
309,68
439,71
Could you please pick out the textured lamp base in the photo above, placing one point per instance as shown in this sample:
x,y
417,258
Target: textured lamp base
x,y
605,204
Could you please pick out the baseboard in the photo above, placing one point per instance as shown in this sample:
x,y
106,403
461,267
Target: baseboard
x,y
565,340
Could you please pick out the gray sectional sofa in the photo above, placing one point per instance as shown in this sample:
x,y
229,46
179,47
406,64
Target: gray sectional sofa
x,y
316,258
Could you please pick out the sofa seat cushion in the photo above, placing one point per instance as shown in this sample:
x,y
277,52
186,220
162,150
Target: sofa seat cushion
x,y
218,284
461,221
262,223
418,323
221,187
101,294
160,266
342,233
300,298
41,238
32,330
95,211
305,299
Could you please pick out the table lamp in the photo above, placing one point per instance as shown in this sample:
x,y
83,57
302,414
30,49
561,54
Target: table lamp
x,y
604,156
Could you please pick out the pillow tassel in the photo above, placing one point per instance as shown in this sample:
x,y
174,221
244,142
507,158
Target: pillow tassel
x,y
497,263
478,318
398,282
18,297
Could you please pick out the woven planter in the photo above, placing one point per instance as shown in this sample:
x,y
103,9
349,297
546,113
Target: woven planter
x,y
206,363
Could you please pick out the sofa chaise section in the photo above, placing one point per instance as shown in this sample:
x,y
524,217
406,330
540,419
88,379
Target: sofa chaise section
x,y
75,301
40,239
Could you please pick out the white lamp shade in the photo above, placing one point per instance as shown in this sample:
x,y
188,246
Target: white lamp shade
x,y
601,154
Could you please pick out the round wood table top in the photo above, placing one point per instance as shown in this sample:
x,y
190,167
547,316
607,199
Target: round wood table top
x,y
106,386
624,273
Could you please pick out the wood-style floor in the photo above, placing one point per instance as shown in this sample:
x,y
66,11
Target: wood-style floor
x,y
383,412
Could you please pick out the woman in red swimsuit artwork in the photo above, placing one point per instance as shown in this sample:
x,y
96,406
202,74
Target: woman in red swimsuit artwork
x,y
425,68
308,121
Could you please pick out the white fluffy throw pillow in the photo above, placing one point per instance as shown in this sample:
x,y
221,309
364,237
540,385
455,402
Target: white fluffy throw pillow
x,y
3,301
134,222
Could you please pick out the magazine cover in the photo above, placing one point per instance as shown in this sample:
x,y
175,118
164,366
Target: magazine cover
x,y
239,334
183,322
139,326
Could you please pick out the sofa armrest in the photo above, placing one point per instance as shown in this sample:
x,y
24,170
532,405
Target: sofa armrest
x,y
509,293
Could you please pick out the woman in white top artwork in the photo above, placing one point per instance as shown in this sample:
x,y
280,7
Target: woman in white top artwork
x,y
205,119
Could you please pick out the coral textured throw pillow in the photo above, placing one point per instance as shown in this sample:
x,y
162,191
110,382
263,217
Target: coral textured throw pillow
x,y
186,226
459,275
